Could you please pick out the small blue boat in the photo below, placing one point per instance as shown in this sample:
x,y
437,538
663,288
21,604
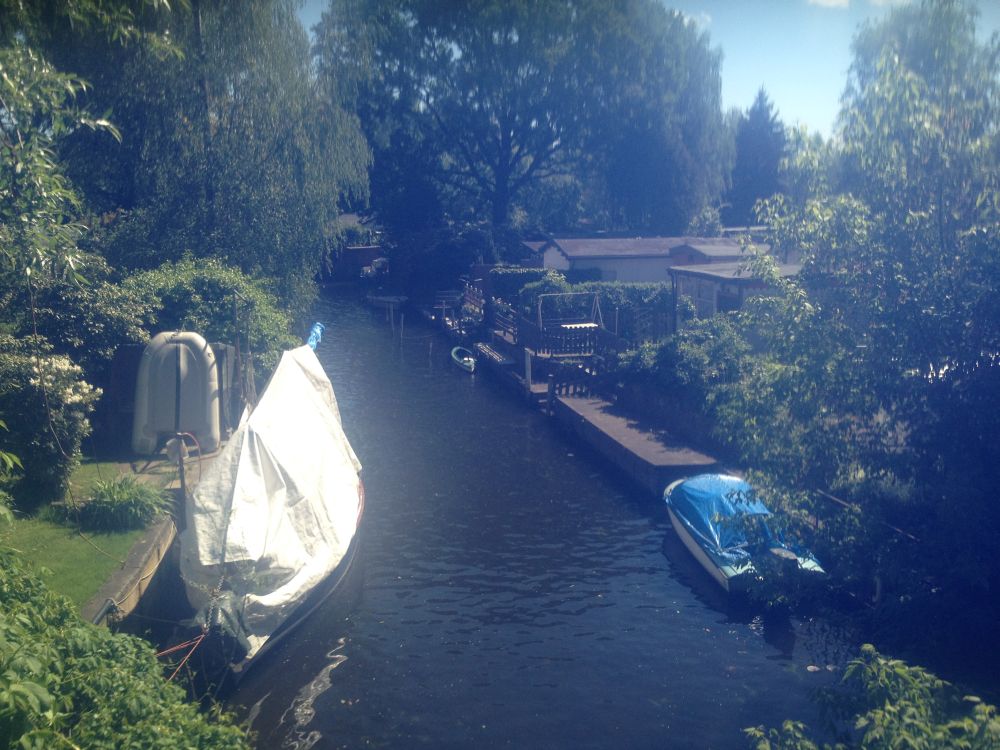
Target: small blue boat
x,y
709,513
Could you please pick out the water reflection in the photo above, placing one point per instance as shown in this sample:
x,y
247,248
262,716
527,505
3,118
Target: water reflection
x,y
303,709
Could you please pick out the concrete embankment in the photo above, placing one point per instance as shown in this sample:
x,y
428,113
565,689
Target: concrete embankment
x,y
121,593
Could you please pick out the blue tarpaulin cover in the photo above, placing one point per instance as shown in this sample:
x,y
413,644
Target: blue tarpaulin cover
x,y
708,504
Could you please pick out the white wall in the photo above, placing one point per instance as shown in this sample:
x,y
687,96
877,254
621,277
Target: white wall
x,y
553,258
629,269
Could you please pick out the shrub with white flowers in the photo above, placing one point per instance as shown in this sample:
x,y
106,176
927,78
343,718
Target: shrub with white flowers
x,y
45,402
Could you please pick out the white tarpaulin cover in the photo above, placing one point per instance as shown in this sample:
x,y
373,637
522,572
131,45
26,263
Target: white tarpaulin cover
x,y
278,508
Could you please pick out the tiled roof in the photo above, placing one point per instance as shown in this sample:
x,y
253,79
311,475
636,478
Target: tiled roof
x,y
637,247
730,271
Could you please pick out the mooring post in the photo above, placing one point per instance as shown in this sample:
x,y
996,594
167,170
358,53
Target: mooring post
x,y
550,401
527,369
177,451
402,321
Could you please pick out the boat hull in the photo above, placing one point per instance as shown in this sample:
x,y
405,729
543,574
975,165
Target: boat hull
x,y
704,511
728,577
332,585
463,359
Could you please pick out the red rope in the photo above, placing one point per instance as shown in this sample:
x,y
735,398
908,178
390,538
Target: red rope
x,y
197,642
179,646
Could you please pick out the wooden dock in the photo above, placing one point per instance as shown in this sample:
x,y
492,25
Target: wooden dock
x,y
647,454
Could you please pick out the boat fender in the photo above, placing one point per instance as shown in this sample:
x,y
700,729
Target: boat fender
x,y
315,335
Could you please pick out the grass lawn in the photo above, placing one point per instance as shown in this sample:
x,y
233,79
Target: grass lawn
x,y
77,567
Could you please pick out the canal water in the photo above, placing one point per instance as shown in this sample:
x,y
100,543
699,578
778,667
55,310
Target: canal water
x,y
511,590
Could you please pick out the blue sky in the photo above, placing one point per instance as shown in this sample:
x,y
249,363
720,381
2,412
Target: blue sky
x,y
798,50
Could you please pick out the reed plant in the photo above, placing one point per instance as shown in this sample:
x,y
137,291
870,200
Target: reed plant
x,y
122,503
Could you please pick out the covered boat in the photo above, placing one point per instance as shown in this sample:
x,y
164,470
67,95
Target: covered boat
x,y
721,521
272,525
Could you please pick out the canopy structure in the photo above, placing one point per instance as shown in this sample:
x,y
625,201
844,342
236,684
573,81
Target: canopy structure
x,y
277,511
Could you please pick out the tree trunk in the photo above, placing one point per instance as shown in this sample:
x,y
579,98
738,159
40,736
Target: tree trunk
x,y
501,199
209,181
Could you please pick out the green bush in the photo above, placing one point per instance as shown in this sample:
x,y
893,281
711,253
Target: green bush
x,y
66,683
552,282
86,321
218,302
640,311
6,506
506,282
45,402
696,367
885,703
121,504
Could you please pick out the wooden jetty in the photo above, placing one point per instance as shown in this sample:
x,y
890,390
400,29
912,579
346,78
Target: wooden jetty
x,y
560,370
650,456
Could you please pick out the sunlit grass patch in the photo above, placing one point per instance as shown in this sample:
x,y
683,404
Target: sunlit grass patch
x,y
78,565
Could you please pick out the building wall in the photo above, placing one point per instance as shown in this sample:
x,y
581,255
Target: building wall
x,y
701,291
554,259
628,269
711,296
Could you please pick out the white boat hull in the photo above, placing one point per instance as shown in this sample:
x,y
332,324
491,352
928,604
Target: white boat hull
x,y
728,577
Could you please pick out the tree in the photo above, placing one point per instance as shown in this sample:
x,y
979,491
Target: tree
x,y
921,130
658,138
760,145
39,109
231,150
880,376
495,103
809,166
486,85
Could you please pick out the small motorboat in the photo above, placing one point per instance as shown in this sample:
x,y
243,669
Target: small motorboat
x,y
464,358
721,521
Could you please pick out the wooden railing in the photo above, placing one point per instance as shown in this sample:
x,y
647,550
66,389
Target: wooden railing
x,y
583,379
503,318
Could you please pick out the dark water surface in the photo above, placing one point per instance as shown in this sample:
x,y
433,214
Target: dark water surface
x,y
511,590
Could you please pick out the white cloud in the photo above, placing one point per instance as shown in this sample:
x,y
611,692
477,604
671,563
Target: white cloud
x,y
831,3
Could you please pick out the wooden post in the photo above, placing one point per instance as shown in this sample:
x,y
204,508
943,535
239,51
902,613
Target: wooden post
x,y
402,320
550,401
527,369
177,451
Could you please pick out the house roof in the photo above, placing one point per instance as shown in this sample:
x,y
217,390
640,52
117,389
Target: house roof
x,y
715,248
637,247
734,272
